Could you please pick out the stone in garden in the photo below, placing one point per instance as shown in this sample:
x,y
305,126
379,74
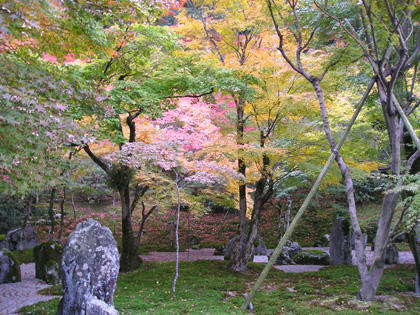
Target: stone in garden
x,y
353,240
47,262
391,255
290,250
340,247
89,269
9,267
312,257
20,239
260,249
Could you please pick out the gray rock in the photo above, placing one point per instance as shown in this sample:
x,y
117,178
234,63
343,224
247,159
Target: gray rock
x,y
9,267
353,240
308,257
391,255
47,262
260,249
89,268
95,306
340,247
288,252
20,239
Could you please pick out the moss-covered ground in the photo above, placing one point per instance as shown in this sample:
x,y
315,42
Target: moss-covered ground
x,y
208,287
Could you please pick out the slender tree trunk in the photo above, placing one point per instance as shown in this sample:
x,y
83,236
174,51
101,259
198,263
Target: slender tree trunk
x,y
345,173
113,213
287,214
241,164
246,244
73,206
178,208
395,129
60,233
51,214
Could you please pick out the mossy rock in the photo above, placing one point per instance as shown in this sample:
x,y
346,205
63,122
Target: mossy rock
x,y
48,261
312,257
9,267
2,237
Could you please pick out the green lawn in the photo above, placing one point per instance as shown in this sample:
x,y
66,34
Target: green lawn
x,y
208,287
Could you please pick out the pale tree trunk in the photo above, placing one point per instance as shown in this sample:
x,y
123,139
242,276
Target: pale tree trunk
x,y
178,208
287,213
395,128
73,206
345,173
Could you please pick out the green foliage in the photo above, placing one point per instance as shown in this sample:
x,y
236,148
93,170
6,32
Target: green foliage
x,y
12,213
412,202
90,182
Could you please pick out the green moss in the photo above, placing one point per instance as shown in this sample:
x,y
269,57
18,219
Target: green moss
x,y
24,256
209,287
2,237
314,251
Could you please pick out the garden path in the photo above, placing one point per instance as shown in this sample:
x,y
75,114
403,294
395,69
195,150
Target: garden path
x,y
13,296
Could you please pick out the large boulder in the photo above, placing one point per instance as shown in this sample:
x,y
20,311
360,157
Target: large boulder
x,y
20,239
391,255
340,242
89,269
47,262
9,267
312,257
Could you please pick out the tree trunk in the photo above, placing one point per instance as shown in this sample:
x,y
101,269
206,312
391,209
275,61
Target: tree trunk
x,y
129,258
241,163
51,214
73,206
178,208
345,173
395,128
60,233
245,245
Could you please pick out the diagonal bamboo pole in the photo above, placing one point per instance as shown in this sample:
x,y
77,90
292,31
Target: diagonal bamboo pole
x,y
307,200
407,123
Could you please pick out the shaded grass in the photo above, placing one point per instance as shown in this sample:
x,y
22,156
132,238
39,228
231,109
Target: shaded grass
x,y
208,287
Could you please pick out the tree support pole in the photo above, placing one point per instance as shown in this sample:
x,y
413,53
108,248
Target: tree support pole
x,y
407,123
308,199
